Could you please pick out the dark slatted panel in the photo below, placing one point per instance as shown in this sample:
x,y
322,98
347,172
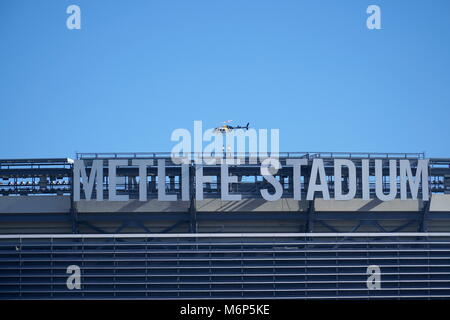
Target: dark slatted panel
x,y
225,267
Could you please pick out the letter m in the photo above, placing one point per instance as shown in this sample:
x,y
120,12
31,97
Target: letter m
x,y
414,181
96,176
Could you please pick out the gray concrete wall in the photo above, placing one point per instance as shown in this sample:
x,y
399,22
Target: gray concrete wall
x,y
440,202
35,227
35,204
60,204
250,205
132,206
359,205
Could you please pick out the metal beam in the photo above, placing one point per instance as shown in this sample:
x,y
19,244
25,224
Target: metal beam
x,y
192,205
423,226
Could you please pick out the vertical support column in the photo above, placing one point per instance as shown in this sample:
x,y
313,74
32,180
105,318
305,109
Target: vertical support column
x,y
152,183
172,183
192,207
309,226
423,225
73,210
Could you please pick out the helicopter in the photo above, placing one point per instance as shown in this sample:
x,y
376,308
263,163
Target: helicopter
x,y
227,128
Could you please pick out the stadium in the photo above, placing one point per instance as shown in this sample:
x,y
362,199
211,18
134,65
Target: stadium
x,y
54,246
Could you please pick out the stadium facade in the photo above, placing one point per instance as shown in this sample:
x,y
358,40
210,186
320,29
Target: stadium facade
x,y
58,243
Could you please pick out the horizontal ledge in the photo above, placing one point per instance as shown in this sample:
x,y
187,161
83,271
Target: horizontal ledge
x,y
229,235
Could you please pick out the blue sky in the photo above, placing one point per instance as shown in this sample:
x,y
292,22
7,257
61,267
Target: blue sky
x,y
137,70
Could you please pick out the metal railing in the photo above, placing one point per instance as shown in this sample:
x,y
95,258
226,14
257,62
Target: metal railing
x,y
296,154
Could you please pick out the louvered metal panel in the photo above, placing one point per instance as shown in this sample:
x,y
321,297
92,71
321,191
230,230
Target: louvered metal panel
x,y
202,266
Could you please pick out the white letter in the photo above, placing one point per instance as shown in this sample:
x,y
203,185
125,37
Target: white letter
x,y
374,21
181,151
199,180
262,145
379,180
267,173
225,180
374,279
162,196
296,164
275,143
318,168
143,164
252,136
112,177
198,142
88,184
74,280
365,179
414,181
185,187
214,149
73,21
338,163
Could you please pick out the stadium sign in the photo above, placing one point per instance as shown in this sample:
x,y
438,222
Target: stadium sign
x,y
268,168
